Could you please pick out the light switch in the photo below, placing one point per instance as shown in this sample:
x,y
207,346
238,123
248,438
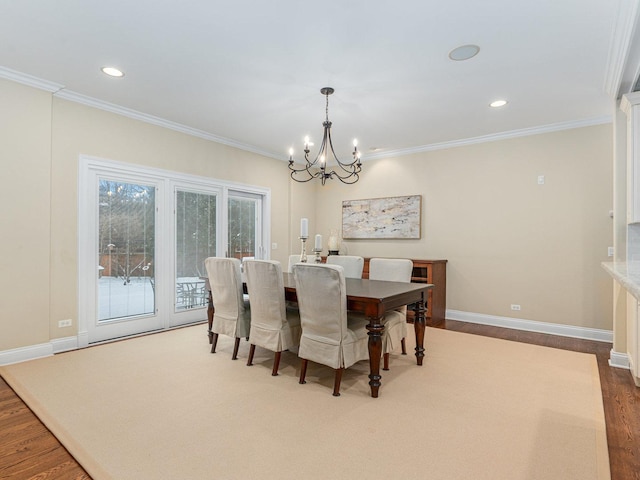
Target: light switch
x,y
540,179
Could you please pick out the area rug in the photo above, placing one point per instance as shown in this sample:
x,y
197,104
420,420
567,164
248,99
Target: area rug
x,y
162,407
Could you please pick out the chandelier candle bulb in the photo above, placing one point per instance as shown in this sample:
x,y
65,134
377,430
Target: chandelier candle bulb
x,y
318,242
304,228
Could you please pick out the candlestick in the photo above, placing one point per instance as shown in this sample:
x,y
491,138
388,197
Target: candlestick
x,y
304,227
303,254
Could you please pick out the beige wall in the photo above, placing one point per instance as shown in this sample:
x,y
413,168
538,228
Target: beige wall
x,y
508,240
41,140
25,142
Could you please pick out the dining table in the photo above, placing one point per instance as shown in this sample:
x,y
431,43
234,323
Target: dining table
x,y
372,298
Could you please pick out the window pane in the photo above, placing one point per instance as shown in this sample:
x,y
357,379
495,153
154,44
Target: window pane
x,y
126,229
242,227
195,241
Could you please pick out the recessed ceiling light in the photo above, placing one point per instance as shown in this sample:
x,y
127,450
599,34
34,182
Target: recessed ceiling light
x,y
465,52
112,72
498,103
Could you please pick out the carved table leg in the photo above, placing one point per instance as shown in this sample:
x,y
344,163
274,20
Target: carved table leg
x,y
419,327
210,311
375,352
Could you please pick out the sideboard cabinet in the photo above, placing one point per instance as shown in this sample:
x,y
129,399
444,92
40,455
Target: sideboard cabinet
x,y
427,271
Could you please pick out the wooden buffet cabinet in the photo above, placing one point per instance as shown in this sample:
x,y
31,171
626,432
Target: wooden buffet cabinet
x,y
427,271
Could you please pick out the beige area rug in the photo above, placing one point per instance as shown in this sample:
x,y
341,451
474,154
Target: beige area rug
x,y
163,407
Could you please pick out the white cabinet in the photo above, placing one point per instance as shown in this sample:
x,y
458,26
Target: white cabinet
x,y
630,105
633,339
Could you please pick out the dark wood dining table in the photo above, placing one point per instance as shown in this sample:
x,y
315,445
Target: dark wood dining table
x,y
373,298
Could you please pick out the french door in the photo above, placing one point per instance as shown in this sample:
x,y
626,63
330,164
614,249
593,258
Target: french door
x,y
145,235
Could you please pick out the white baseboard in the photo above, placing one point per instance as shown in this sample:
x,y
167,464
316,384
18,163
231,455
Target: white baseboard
x,y
32,352
532,326
64,344
23,354
619,360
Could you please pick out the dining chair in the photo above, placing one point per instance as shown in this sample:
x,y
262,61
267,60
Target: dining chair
x,y
394,321
292,259
273,325
352,264
232,314
330,336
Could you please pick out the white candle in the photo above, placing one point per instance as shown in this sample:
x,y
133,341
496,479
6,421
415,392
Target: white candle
x,y
333,243
318,242
304,227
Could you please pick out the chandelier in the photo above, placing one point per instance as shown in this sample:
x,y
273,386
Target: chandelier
x,y
345,172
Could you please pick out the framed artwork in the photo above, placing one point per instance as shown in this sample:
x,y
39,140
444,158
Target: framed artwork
x,y
382,218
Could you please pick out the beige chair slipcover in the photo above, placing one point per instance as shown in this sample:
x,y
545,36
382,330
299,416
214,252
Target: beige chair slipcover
x,y
232,315
292,260
352,264
329,335
395,321
273,326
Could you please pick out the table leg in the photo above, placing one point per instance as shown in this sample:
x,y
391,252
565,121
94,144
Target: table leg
x,y
375,352
210,311
419,324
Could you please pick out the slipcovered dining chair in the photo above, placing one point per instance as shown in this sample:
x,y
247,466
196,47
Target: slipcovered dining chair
x,y
394,321
329,335
273,325
292,260
352,264
232,315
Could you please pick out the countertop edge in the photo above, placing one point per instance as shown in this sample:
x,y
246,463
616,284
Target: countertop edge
x,y
626,275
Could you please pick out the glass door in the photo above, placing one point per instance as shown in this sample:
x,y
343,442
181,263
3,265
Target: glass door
x,y
195,240
244,226
145,234
126,249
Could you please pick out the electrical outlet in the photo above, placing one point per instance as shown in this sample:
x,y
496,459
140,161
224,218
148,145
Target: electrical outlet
x,y
274,246
540,179
515,307
610,251
65,323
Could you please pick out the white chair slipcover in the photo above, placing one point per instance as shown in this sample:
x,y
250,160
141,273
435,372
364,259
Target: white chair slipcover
x,y
232,315
394,321
292,260
273,326
329,335
352,264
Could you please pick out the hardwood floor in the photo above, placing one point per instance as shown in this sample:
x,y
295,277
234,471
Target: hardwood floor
x,y
29,451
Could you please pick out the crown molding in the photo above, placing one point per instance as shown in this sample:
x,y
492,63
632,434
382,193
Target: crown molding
x,y
59,91
620,46
523,132
143,117
29,80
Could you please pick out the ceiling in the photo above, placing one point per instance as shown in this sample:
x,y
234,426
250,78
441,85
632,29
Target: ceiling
x,y
249,73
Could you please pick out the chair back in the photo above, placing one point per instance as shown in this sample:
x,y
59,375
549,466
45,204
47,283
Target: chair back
x,y
353,265
292,260
322,301
266,292
225,280
390,269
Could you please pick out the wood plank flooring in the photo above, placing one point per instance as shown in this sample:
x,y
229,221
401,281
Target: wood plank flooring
x,y
28,451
